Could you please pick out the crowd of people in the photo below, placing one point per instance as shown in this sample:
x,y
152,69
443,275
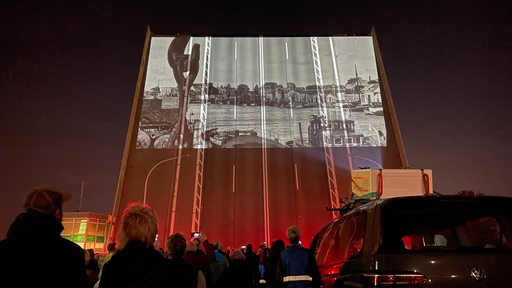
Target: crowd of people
x,y
138,262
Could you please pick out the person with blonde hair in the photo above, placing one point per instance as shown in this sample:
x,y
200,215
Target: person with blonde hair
x,y
139,223
137,263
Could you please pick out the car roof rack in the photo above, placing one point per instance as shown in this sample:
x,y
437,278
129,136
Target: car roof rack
x,y
347,206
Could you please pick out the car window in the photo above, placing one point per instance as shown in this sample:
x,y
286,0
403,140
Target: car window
x,y
418,226
342,239
482,232
428,238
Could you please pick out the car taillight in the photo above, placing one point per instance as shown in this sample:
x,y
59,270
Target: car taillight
x,y
384,279
330,273
330,270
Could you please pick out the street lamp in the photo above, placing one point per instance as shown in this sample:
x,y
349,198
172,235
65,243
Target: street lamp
x,y
151,171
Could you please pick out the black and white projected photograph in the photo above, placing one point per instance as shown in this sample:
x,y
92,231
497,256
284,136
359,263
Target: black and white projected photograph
x,y
253,92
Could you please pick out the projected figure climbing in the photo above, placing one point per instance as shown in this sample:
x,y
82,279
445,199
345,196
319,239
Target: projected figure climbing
x,y
185,68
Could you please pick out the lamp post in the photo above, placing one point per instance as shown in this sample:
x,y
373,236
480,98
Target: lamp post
x,y
151,171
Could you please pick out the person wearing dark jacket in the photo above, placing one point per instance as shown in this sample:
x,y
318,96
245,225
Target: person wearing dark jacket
x,y
40,225
271,262
297,268
252,260
189,276
137,264
239,274
198,258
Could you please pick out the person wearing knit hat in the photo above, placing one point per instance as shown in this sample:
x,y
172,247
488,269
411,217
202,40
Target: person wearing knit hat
x,y
39,225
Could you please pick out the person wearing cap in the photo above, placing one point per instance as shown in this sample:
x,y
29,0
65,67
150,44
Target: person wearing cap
x,y
38,228
297,267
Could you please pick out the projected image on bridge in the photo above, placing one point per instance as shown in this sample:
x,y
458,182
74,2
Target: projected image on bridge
x,y
274,92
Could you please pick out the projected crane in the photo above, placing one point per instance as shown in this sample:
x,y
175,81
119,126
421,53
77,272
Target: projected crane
x,y
182,64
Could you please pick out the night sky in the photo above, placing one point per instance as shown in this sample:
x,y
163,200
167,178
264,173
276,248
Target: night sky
x,y
69,71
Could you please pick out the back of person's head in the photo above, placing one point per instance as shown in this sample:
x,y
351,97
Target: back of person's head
x,y
87,257
111,247
91,256
277,246
139,223
176,245
293,234
47,200
237,254
248,247
191,247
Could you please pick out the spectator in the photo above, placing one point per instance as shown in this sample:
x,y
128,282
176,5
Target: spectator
x,y
40,224
218,266
271,263
262,254
238,274
92,269
252,261
111,249
297,268
186,275
202,259
190,248
137,263
225,253
197,242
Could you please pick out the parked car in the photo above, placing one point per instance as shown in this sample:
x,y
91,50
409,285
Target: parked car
x,y
418,241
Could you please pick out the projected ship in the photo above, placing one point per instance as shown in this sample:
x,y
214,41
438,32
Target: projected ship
x,y
240,139
334,133
340,133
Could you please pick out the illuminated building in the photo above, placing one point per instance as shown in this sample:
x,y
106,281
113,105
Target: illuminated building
x,y
87,229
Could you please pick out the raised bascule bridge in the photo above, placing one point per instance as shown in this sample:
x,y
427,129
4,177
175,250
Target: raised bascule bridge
x,y
241,137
